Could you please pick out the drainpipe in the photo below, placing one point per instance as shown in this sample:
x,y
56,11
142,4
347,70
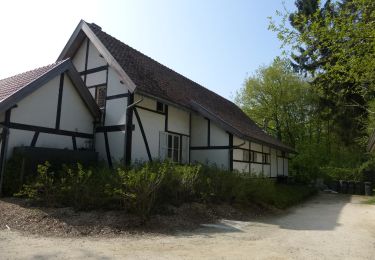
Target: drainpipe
x,y
3,152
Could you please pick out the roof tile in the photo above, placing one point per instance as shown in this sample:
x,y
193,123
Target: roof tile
x,y
157,80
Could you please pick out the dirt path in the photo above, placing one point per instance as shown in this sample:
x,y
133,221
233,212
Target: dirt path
x,y
327,227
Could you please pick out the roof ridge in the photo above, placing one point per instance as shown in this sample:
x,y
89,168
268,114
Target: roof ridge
x,y
97,27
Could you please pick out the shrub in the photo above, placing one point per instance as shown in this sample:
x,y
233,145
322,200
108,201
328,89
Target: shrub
x,y
43,188
336,173
140,187
145,188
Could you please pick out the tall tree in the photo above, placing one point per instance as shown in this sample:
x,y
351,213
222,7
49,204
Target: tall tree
x,y
335,43
278,100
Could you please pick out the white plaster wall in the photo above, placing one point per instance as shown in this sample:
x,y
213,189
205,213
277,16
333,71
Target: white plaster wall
x,y
100,146
96,78
114,85
178,120
238,141
94,60
256,147
218,135
238,154
92,91
256,168
18,138
153,124
199,130
139,152
83,143
75,116
241,167
273,163
116,111
79,58
54,141
116,141
286,166
280,166
146,102
267,170
219,158
40,107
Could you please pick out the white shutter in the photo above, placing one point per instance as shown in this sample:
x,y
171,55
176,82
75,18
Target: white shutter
x,y
185,150
163,145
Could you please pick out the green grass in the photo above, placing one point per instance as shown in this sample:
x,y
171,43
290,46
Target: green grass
x,y
370,201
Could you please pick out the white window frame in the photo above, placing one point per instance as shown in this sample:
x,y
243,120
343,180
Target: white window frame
x,y
183,143
172,148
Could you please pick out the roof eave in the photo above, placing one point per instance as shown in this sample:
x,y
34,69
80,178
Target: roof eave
x,y
66,66
74,43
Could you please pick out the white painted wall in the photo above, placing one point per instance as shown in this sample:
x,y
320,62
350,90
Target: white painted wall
x,y
116,111
273,163
199,131
153,124
216,157
54,141
218,135
75,116
178,120
18,138
100,146
114,85
286,167
94,60
280,166
40,107
256,168
116,141
241,167
79,58
96,78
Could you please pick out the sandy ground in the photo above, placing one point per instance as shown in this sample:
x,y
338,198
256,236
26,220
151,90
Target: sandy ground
x,y
327,227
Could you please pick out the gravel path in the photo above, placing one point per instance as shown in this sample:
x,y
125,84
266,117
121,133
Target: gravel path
x,y
326,227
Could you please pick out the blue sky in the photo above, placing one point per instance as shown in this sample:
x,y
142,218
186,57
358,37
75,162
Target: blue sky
x,y
215,43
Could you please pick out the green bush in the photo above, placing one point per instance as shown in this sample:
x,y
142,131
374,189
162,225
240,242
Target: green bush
x,y
336,173
43,188
140,187
145,188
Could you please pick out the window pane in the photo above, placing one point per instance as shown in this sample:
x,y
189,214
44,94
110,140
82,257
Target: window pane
x,y
176,142
245,155
170,142
175,155
159,106
169,153
100,96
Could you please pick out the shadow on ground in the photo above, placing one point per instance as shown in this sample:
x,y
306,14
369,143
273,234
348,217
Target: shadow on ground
x,y
319,213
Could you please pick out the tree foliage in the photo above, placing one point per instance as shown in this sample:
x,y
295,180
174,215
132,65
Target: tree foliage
x,y
287,106
334,42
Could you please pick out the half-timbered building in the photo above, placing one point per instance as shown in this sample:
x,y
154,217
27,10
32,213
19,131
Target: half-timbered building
x,y
103,94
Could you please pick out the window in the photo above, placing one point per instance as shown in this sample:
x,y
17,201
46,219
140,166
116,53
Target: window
x,y
246,155
101,93
174,147
160,107
266,158
252,156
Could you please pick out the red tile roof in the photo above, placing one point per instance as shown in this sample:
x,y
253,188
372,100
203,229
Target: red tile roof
x,y
157,80
11,85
